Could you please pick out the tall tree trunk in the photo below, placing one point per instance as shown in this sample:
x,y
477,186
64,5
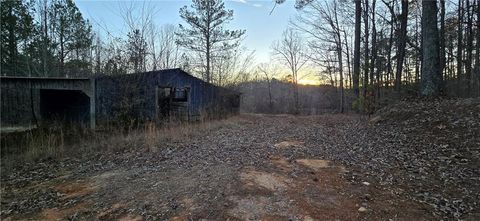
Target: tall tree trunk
x,y
418,56
401,44
209,51
295,84
45,38
270,100
459,41
393,22
154,54
469,58
431,76
374,46
380,68
97,56
348,60
62,52
451,47
356,52
366,48
12,41
477,54
144,53
442,36
340,59
207,55
389,55
340,67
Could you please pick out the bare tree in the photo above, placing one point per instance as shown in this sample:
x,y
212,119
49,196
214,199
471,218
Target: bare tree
x,y
442,35
139,20
291,51
460,40
356,53
477,54
348,55
469,52
232,66
431,76
392,23
366,48
401,44
373,58
321,22
268,71
153,32
97,53
169,52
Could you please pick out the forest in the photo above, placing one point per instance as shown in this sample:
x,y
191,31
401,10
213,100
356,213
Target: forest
x,y
240,110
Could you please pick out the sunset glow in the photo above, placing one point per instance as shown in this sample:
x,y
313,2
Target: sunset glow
x,y
309,81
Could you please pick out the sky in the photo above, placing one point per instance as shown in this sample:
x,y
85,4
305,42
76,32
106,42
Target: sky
x,y
262,28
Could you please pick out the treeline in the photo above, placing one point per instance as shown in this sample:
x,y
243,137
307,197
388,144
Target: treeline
x,y
274,97
390,35
367,49
52,38
376,47
40,38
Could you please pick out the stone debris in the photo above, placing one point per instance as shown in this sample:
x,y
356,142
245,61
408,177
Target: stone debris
x,y
362,209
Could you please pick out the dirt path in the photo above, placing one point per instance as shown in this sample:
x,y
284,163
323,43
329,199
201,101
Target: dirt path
x,y
251,167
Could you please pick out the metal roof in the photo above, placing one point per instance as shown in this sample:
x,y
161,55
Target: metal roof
x,y
42,78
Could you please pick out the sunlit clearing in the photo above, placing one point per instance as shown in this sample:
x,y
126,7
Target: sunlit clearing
x,y
309,82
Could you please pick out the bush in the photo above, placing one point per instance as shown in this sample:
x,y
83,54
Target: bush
x,y
358,104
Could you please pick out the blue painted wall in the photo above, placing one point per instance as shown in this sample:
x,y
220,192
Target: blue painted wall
x,y
133,96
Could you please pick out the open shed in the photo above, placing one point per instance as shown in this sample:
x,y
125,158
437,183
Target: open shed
x,y
150,96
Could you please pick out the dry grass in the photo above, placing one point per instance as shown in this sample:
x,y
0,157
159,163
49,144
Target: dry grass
x,y
45,144
177,131
58,142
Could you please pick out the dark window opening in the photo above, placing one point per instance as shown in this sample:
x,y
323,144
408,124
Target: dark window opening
x,y
180,95
164,92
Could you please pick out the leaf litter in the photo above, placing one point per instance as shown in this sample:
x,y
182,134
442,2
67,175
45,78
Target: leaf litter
x,y
420,159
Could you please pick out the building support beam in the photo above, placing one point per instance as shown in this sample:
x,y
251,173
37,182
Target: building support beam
x,y
92,103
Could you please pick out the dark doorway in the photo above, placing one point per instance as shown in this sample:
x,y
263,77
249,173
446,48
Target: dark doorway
x,y
164,96
172,102
67,106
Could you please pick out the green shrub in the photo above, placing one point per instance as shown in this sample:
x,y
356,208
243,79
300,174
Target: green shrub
x,y
358,104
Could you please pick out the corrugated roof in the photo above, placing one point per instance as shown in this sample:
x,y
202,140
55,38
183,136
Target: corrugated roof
x,y
42,78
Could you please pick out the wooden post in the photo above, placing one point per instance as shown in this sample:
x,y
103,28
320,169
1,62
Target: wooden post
x,y
92,103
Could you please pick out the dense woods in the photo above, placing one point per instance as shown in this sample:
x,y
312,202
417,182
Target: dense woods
x,y
367,49
396,45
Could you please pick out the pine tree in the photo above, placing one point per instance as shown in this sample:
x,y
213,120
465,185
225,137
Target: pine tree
x,y
71,32
16,30
206,33
137,48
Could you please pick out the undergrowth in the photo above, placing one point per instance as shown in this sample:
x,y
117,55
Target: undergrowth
x,y
57,142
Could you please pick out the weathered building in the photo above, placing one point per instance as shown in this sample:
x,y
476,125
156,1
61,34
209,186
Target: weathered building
x,y
140,97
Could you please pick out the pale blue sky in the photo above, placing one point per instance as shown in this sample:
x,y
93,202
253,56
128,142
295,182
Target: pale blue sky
x,y
253,16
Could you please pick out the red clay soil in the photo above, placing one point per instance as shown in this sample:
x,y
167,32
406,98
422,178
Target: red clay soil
x,y
250,167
